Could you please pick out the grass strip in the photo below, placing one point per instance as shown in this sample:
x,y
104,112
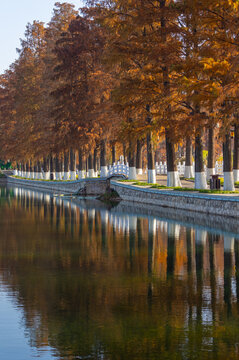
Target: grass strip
x,y
160,187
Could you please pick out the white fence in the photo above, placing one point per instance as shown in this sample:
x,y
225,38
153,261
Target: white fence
x,y
119,168
219,167
161,168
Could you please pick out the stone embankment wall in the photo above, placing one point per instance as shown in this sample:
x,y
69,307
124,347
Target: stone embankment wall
x,y
90,187
223,205
216,205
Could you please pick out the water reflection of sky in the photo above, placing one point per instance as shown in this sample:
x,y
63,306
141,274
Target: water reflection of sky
x,y
14,344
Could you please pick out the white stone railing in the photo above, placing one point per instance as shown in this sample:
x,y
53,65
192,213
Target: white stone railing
x,y
219,167
118,168
161,168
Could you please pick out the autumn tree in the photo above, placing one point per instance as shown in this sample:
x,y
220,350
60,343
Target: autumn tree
x,y
83,113
23,82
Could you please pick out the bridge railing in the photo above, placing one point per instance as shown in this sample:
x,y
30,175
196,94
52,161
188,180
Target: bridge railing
x,y
118,168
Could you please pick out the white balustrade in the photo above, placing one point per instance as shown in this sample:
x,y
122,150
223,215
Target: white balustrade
x,y
219,167
119,169
161,168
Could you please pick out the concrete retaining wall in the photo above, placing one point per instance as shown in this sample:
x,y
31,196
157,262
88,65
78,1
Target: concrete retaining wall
x,y
217,205
92,187
223,205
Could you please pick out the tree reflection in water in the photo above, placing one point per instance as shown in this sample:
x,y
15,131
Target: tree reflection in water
x,y
102,284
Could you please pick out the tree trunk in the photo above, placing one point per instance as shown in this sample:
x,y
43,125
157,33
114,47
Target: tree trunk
x,y
31,170
46,168
157,156
124,154
20,169
52,168
81,167
189,173
227,164
132,163
28,169
61,160
66,166
72,164
236,153
35,171
139,165
211,153
86,167
39,166
80,160
103,167
113,153
17,170
98,163
172,170
95,165
58,170
200,177
23,170
150,158
90,164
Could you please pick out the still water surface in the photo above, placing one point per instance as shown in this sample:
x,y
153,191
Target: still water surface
x,y
81,281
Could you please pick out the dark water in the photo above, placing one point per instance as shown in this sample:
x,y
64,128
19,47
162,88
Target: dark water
x,y
80,281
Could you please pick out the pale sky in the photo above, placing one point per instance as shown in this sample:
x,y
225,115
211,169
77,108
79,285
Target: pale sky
x,y
14,16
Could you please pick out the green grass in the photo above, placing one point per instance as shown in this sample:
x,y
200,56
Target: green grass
x,y
141,183
186,189
218,192
127,180
158,186
207,191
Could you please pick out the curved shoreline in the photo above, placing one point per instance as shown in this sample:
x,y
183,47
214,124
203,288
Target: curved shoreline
x,y
130,211
216,205
219,205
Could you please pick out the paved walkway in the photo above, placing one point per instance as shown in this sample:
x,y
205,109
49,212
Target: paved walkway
x,y
162,180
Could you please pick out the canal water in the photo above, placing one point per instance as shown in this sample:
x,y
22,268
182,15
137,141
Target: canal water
x,y
84,280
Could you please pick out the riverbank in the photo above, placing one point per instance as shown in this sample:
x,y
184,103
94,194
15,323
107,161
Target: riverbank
x,y
130,211
213,204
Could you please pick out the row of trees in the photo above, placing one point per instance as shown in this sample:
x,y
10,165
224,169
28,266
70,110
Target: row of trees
x,y
125,72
